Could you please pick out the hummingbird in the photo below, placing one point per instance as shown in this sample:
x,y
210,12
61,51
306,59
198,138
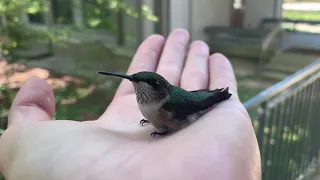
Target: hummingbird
x,y
170,108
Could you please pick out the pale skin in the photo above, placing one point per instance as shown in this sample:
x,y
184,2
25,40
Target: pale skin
x,y
220,145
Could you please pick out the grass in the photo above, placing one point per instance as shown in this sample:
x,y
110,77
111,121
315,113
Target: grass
x,y
301,15
246,93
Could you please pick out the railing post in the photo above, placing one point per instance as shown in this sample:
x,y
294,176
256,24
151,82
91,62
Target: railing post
x,y
262,117
262,121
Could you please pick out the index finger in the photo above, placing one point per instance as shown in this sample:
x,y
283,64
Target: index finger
x,y
146,59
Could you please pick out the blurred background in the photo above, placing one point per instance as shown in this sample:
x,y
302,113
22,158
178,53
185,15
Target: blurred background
x,y
273,46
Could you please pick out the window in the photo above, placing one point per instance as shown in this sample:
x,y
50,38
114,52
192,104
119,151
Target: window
x,y
36,18
62,11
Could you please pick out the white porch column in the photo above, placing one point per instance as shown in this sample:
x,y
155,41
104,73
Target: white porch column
x,y
278,8
24,17
194,16
77,12
148,26
130,26
138,28
179,14
48,17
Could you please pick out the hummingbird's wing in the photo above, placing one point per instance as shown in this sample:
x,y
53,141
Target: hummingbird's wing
x,y
184,103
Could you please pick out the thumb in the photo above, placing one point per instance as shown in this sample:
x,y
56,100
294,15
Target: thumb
x,y
34,102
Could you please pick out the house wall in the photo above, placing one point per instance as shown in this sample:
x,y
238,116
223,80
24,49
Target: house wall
x,y
255,10
196,15
209,13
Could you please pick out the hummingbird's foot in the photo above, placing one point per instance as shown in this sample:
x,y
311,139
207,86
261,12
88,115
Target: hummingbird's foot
x,y
144,121
159,133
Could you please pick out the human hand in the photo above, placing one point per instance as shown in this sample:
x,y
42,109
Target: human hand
x,y
220,145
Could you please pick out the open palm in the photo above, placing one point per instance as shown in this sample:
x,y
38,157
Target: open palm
x,y
220,145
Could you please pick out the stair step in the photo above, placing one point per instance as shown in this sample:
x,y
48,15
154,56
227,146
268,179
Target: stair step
x,y
275,76
282,69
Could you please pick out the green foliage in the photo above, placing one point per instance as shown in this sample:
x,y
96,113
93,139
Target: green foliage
x,y
302,15
119,6
14,6
62,11
77,109
97,15
100,13
14,34
6,97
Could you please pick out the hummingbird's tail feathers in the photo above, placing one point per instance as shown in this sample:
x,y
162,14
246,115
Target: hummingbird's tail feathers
x,y
225,93
225,90
207,90
217,96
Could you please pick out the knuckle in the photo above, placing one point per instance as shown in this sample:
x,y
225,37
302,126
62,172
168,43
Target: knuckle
x,y
179,46
172,69
196,74
148,52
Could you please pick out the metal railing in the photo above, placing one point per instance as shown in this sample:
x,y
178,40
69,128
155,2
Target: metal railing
x,y
286,118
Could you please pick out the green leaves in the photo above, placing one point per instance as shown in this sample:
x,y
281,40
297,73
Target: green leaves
x,y
31,6
97,14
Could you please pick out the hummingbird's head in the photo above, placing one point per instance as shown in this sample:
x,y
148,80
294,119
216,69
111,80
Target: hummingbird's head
x,y
150,87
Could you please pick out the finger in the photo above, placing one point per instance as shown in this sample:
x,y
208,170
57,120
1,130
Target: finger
x,y
195,74
222,74
173,56
146,59
34,102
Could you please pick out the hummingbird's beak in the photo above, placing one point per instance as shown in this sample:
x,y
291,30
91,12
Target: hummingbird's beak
x,y
118,75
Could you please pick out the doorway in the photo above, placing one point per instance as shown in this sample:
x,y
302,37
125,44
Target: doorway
x,y
237,13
